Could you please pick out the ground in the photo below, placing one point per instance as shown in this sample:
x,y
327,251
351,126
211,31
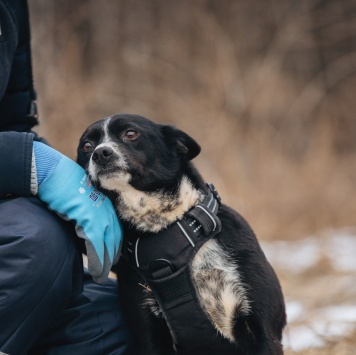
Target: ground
x,y
318,276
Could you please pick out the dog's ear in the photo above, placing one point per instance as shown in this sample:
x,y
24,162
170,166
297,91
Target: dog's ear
x,y
185,145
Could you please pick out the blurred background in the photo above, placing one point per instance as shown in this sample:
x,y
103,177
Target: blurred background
x,y
268,90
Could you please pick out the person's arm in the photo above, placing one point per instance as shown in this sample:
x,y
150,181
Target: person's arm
x,y
15,163
28,166
15,148
18,110
8,45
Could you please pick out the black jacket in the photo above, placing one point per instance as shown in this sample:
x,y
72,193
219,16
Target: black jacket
x,y
17,104
16,99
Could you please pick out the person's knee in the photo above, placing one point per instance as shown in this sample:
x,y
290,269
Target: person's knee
x,y
35,243
40,268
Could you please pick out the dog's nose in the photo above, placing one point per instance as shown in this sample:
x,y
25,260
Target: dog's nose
x,y
102,155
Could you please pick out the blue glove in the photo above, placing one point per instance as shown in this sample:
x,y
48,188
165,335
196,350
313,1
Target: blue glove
x,y
65,187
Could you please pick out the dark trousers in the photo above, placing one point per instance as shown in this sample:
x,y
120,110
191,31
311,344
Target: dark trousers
x,y
47,305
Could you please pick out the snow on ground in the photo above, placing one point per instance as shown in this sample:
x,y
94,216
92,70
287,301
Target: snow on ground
x,y
313,321
298,256
324,324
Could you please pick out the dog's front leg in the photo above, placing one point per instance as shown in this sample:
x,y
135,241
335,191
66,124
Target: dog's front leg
x,y
150,331
156,340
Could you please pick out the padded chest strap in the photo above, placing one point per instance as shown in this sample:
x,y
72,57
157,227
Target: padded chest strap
x,y
174,246
163,260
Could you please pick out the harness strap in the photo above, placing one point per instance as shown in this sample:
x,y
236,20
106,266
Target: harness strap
x,y
164,259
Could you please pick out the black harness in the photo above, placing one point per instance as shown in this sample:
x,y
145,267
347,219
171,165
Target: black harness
x,y
163,260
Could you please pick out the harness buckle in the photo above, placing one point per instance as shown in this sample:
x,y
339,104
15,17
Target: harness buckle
x,y
160,268
209,221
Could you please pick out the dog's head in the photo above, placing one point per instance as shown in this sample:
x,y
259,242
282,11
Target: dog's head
x,y
128,149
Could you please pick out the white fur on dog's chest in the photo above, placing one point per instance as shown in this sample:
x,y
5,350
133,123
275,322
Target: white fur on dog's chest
x,y
152,212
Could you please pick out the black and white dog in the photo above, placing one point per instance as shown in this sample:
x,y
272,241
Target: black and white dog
x,y
193,280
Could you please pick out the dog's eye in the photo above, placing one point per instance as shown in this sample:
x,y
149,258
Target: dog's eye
x,y
87,147
131,134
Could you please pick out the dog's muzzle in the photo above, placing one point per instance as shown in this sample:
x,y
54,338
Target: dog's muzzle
x,y
105,161
103,156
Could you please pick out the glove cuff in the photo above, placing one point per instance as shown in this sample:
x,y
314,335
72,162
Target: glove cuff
x,y
34,183
46,160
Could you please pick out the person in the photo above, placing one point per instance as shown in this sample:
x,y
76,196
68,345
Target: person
x,y
48,206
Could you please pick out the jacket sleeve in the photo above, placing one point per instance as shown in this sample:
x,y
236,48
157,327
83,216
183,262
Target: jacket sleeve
x,y
18,109
15,163
15,148
8,44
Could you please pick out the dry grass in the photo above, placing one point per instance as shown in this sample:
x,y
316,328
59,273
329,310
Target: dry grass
x,y
255,85
267,89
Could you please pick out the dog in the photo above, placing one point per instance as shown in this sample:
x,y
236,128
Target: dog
x,y
227,300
